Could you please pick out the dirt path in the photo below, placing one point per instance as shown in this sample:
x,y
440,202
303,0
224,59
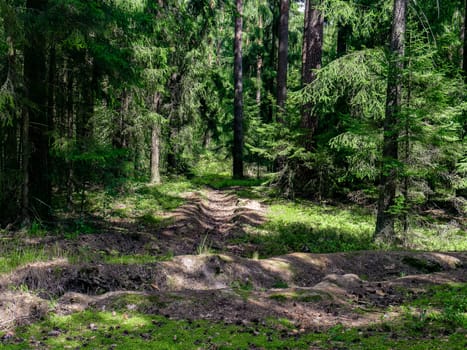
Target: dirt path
x,y
311,290
211,220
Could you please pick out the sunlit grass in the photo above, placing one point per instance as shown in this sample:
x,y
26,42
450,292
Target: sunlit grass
x,y
307,227
135,200
126,259
438,237
12,257
225,181
303,226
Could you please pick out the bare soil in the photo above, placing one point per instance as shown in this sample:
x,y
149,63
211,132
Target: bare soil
x,y
310,290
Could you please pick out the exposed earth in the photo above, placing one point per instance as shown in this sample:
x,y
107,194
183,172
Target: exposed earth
x,y
207,276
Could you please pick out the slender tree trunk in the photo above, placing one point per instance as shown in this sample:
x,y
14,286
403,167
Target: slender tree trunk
x,y
9,163
155,143
70,128
282,58
312,52
384,231
259,63
119,140
51,100
238,98
25,205
464,61
36,186
155,154
343,31
86,111
51,81
407,146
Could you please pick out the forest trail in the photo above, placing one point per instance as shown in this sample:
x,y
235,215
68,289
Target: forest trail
x,y
210,220
211,274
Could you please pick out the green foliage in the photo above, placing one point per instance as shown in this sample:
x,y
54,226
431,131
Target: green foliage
x,y
445,304
221,182
12,257
37,229
296,227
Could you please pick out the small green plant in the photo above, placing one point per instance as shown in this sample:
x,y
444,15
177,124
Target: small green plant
x,y
243,289
204,248
14,257
278,297
37,229
280,284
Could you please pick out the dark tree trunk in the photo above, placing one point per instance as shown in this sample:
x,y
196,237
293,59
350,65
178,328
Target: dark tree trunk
x,y
9,142
282,58
37,186
119,138
343,32
51,100
384,231
51,86
70,129
86,111
238,98
259,63
312,52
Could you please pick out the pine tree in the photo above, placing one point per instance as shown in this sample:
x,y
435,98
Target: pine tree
x,y
464,65
389,173
312,52
238,98
283,55
36,182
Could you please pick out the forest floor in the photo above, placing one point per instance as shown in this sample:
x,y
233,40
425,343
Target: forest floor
x,y
201,262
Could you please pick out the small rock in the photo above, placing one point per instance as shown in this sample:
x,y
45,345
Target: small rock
x,y
131,307
54,333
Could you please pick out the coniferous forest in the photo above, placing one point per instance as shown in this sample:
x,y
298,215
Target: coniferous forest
x,y
233,174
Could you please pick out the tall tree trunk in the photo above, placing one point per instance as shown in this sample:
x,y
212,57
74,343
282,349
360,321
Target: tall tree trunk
x,y
259,63
384,231
9,163
70,129
86,111
312,52
26,156
464,63
282,58
155,143
119,140
37,186
238,98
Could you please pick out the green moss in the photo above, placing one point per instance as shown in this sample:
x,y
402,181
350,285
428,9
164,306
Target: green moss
x,y
278,297
130,259
280,284
155,221
310,298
